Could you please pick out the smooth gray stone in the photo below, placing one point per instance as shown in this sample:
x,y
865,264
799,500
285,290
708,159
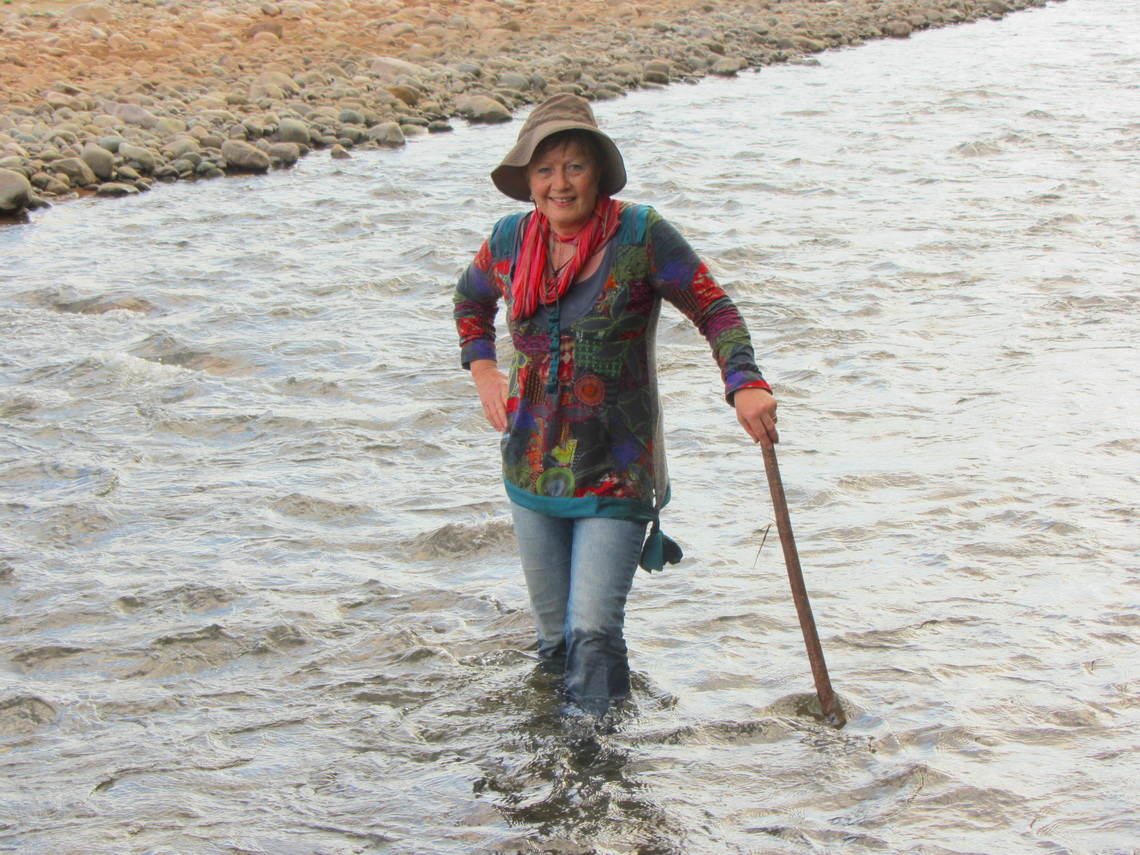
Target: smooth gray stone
x,y
15,191
101,161
115,190
240,156
293,131
138,157
77,172
387,134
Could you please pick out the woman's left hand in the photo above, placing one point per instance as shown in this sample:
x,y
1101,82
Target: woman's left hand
x,y
756,411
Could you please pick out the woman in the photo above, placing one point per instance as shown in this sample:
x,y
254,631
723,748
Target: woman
x,y
582,277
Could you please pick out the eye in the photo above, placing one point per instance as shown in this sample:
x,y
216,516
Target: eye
x,y
576,168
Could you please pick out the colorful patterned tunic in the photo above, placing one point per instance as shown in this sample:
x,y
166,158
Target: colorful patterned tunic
x,y
588,442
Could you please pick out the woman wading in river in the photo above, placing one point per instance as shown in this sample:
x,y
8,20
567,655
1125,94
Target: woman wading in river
x,y
582,277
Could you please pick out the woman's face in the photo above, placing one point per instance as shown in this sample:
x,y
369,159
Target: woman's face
x,y
564,184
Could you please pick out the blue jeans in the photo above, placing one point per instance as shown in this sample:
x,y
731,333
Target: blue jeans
x,y
578,574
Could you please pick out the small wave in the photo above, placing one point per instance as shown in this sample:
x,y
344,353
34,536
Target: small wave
x,y
743,187
902,636
75,525
1093,303
43,657
17,405
1057,224
191,597
976,93
458,539
352,228
311,387
977,149
24,714
392,192
209,635
733,732
102,304
1123,619
1125,445
945,738
815,191
880,480
316,509
57,481
821,499
190,651
165,349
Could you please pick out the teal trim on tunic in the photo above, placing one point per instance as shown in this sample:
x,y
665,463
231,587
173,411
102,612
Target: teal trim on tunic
x,y
659,548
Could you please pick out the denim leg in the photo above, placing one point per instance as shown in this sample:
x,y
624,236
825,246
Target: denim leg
x,y
604,561
544,549
578,574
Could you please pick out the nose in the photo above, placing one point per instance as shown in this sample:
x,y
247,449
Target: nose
x,y
561,178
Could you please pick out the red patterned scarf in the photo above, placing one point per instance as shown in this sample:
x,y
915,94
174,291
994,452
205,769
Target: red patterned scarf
x,y
533,285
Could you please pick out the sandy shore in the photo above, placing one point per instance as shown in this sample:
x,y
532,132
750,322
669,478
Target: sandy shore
x,y
108,97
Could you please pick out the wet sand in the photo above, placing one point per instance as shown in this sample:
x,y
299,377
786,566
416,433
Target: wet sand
x,y
109,97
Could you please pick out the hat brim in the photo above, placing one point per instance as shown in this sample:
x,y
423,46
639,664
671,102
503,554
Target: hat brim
x,y
510,175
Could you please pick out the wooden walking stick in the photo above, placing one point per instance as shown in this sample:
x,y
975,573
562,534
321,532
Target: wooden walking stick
x,y
827,701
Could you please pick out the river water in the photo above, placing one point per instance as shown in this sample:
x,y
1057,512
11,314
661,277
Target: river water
x,y
258,584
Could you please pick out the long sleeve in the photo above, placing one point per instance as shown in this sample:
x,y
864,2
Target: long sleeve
x,y
476,303
683,279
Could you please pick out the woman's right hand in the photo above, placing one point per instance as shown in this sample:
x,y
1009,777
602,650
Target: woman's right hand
x,y
756,411
491,383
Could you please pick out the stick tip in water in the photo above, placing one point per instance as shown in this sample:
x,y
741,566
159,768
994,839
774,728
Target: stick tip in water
x,y
836,717
808,705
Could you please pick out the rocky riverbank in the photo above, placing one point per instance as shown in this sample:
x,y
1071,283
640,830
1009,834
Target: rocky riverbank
x,y
111,96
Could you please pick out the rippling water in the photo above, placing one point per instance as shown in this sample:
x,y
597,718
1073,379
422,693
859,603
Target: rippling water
x,y
258,585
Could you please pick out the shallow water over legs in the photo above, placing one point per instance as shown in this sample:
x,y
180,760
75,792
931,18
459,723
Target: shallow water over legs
x,y
258,580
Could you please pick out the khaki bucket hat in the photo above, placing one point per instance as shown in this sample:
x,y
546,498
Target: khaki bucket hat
x,y
558,113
